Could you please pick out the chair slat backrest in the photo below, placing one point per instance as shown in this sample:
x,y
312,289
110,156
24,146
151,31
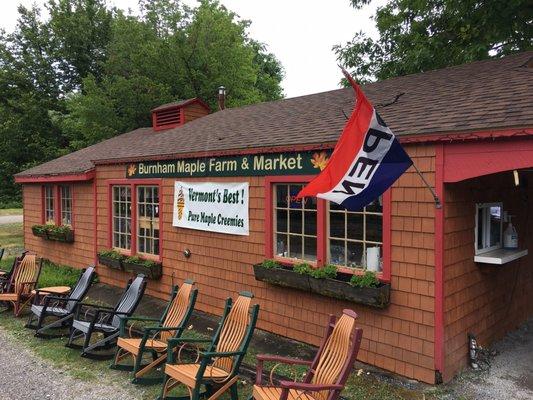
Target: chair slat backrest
x,y
178,309
2,250
81,288
337,354
233,331
28,271
12,273
130,299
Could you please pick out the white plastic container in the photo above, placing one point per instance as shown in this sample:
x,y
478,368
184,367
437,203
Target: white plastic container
x,y
510,236
372,259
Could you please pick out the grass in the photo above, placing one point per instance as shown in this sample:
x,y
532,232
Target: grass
x,y
51,274
10,211
11,238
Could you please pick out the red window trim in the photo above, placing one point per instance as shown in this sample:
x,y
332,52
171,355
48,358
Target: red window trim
x,y
133,183
56,189
384,275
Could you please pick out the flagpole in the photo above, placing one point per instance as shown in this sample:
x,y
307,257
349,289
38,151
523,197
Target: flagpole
x,y
438,204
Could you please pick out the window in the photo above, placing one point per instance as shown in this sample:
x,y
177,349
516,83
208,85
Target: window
x,y
148,219
122,217
351,234
66,205
49,210
318,232
295,224
488,227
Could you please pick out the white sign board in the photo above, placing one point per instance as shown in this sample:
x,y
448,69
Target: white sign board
x,y
209,206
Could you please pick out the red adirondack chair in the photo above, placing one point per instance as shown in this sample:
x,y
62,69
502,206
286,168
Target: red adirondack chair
x,y
327,373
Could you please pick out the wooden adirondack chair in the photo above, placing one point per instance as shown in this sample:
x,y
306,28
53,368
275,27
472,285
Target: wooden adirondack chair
x,y
7,278
19,292
60,308
2,251
104,320
154,339
328,371
218,367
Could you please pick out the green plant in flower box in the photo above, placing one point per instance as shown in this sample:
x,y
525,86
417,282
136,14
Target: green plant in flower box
x,y
152,269
328,271
111,254
270,264
303,269
368,279
111,258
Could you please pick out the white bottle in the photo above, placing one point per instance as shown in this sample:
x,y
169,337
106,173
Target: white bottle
x,y
510,236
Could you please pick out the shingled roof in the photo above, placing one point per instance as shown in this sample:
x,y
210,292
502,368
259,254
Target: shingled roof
x,y
492,94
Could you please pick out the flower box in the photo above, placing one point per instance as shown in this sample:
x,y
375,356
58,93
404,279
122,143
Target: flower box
x,y
378,297
341,288
52,232
110,262
65,237
154,271
285,277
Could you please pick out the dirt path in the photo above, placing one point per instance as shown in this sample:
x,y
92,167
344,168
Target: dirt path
x,y
10,219
24,376
511,371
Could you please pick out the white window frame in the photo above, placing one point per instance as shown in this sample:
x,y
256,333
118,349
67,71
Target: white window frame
x,y
486,227
303,236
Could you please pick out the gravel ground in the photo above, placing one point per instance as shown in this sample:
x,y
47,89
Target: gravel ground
x,y
26,377
10,219
511,371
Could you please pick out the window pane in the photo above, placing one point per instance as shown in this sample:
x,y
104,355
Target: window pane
x,y
310,248
295,246
336,252
495,225
355,226
122,217
336,224
310,223
295,225
281,220
281,195
356,256
281,245
374,226
293,191
310,203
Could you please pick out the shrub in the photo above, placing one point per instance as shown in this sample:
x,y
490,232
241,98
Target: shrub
x,y
141,261
115,255
368,279
303,269
327,271
270,264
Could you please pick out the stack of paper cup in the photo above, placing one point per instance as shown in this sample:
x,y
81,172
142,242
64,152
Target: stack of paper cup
x,y
372,259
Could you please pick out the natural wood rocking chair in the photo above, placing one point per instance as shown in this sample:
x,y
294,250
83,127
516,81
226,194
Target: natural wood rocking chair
x,y
7,278
217,368
154,338
328,371
19,292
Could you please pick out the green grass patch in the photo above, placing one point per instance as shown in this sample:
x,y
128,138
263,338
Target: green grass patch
x,y
10,211
51,274
11,237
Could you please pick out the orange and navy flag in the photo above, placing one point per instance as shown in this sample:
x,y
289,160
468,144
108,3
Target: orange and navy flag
x,y
366,161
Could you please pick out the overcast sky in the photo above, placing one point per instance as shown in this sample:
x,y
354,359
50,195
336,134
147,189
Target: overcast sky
x,y
300,33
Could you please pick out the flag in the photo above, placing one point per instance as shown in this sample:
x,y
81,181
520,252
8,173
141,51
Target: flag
x,y
366,161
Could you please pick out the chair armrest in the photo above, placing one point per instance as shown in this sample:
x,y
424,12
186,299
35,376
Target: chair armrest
x,y
308,387
261,358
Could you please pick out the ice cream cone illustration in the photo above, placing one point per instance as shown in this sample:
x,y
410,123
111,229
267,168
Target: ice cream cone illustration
x,y
180,203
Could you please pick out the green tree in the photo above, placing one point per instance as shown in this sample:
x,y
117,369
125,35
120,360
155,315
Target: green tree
x,y
417,36
170,53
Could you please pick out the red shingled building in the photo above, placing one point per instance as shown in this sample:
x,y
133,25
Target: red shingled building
x,y
467,128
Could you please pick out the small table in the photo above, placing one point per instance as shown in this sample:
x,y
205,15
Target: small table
x,y
53,290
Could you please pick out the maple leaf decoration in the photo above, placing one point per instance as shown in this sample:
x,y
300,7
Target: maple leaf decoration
x,y
320,160
131,170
